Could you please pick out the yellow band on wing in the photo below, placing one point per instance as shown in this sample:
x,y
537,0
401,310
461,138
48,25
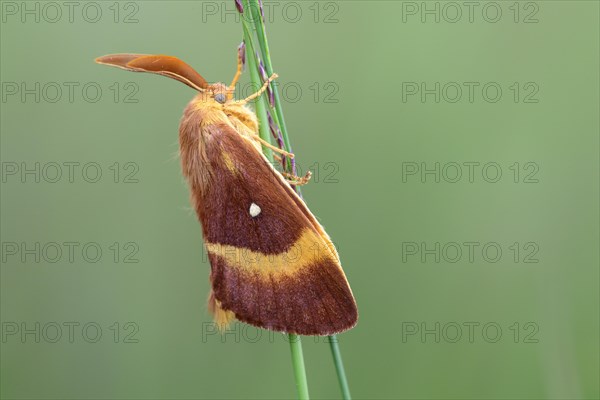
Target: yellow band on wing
x,y
307,250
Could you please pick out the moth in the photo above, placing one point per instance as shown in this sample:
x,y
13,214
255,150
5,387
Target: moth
x,y
272,263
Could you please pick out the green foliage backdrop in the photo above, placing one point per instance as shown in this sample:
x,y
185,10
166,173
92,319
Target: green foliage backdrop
x,y
470,284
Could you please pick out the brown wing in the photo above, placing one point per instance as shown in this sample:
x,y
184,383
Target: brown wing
x,y
272,263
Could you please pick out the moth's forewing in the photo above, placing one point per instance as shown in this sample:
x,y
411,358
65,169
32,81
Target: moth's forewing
x,y
272,264
169,66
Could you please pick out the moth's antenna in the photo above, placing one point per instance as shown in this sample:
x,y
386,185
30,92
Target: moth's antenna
x,y
169,66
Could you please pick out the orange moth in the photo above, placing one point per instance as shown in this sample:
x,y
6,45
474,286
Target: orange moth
x,y
272,264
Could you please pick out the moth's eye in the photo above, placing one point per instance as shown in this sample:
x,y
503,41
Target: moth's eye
x,y
220,98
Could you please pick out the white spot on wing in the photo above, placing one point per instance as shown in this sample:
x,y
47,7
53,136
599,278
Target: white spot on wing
x,y
254,210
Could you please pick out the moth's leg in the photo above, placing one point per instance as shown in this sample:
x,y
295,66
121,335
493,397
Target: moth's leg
x,y
237,75
260,91
291,178
297,180
270,146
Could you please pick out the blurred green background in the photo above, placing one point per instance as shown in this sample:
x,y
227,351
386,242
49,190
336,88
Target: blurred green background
x,y
361,108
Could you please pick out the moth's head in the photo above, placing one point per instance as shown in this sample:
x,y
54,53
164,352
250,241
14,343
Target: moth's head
x,y
219,93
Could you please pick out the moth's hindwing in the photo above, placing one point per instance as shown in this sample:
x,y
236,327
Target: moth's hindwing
x,y
272,264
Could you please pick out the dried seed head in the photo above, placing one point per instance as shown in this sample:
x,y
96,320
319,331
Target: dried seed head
x,y
272,126
276,133
265,77
262,70
239,6
271,96
262,11
242,53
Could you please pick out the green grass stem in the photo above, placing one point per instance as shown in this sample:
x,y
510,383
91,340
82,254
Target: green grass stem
x,y
253,25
